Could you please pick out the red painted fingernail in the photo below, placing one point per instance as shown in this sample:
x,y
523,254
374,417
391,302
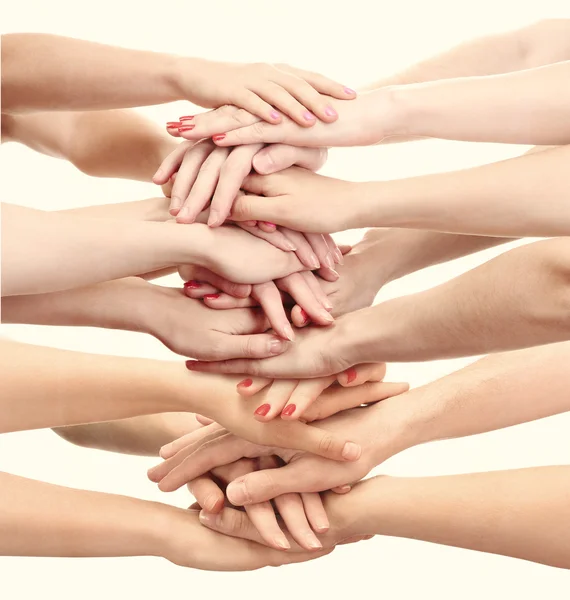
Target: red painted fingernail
x,y
263,410
211,296
350,375
304,316
218,137
186,128
187,118
173,125
289,410
246,383
193,285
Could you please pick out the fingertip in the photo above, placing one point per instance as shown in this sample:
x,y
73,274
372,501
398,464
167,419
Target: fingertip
x,y
351,452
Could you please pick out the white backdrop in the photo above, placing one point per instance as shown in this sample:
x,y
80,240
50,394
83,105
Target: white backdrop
x,y
355,42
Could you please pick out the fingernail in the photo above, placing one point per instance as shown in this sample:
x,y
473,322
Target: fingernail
x,y
186,128
309,116
322,526
331,112
269,224
165,450
193,285
237,493
350,375
345,488
289,410
313,261
264,163
208,519
351,451
173,125
274,114
214,219
211,296
218,137
334,274
276,346
190,364
327,304
339,256
304,316
288,332
246,383
281,541
313,542
158,174
326,316
349,91
329,261
289,246
187,118
263,410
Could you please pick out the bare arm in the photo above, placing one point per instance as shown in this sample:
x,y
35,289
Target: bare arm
x,y
112,143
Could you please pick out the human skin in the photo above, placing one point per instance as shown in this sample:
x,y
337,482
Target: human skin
x,y
41,519
520,513
516,300
80,75
67,389
497,391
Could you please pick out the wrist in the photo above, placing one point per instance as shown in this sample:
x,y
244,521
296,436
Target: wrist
x,y
388,111
189,244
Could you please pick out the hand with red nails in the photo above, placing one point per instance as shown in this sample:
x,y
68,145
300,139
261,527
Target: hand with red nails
x,y
375,428
292,399
364,121
302,514
262,89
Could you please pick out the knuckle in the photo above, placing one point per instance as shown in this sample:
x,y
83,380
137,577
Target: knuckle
x,y
249,347
267,484
326,443
227,110
258,129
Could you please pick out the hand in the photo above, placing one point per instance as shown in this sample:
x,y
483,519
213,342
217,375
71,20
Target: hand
x,y
185,542
378,429
258,88
364,121
189,328
292,399
302,201
233,413
299,512
317,352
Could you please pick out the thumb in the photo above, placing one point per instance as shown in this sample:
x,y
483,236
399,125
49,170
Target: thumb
x,y
264,209
322,442
262,345
256,184
278,157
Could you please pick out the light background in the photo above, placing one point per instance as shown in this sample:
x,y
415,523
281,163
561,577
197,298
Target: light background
x,y
356,42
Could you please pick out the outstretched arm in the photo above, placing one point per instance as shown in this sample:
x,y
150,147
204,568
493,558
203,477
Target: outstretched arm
x,y
111,143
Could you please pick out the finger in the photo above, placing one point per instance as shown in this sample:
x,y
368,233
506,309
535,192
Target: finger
x,y
186,175
170,164
257,133
336,398
221,301
333,248
203,435
321,249
233,172
315,286
172,128
315,511
342,489
249,387
285,99
306,392
303,251
239,290
296,286
246,367
292,511
274,400
266,226
207,493
203,421
360,374
257,346
299,317
198,289
269,298
277,157
275,238
314,104
257,105
322,84
223,119
344,249
203,189
328,274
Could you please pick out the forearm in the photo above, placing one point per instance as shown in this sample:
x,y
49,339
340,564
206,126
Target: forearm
x,y
41,519
524,107
112,143
539,44
143,436
525,196
517,300
85,250
70,388
48,72
521,513
151,209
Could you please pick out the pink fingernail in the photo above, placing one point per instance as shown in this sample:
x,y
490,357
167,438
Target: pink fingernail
x,y
331,112
269,224
349,91
274,114
309,116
